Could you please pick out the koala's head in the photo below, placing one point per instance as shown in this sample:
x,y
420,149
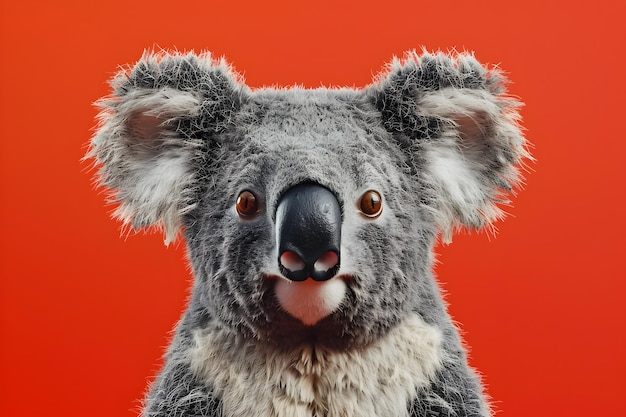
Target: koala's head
x,y
308,214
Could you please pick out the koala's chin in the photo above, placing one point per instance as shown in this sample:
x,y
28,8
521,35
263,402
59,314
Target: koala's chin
x,y
310,301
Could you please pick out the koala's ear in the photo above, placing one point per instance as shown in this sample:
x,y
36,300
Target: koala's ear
x,y
153,129
452,115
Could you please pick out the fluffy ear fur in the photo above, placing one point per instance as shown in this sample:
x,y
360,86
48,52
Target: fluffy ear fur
x,y
150,133
453,118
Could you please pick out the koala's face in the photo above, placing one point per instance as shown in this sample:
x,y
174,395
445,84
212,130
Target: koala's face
x,y
332,234
309,214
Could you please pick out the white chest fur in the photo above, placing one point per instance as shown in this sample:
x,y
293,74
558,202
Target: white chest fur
x,y
376,381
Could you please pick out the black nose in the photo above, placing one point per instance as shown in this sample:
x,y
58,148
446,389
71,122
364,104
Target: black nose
x,y
308,226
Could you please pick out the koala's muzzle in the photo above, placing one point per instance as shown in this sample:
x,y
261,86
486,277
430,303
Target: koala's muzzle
x,y
308,227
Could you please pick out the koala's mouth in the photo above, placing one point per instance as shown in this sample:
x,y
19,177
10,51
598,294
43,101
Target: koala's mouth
x,y
310,301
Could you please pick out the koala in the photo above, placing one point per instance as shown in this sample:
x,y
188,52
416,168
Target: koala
x,y
310,218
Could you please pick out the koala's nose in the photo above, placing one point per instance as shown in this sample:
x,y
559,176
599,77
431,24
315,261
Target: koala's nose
x,y
308,228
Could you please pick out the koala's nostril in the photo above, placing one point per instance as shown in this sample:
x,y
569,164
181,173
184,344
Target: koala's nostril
x,y
293,267
291,261
326,262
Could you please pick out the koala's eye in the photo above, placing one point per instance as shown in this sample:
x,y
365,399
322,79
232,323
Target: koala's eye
x,y
247,205
371,204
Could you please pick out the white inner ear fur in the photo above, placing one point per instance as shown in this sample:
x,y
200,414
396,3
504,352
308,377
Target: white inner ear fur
x,y
155,196
164,103
453,159
136,128
473,111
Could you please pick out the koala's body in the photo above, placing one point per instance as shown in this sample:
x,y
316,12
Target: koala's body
x,y
310,218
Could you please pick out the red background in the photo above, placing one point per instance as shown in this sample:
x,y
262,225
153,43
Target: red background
x,y
85,314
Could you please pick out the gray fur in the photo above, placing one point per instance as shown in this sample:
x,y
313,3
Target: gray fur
x,y
182,136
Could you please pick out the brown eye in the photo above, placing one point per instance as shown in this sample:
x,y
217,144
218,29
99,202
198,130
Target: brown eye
x,y
371,204
247,204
